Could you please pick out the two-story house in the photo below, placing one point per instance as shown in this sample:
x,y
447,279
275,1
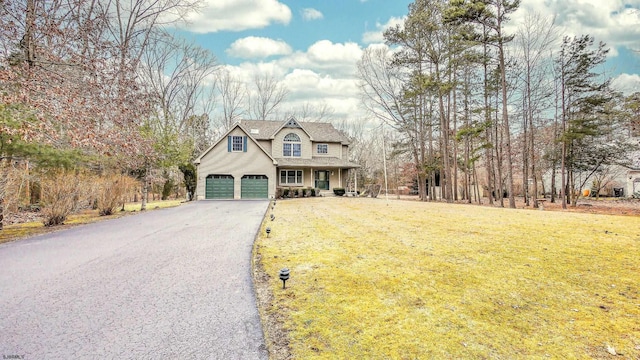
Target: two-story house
x,y
254,158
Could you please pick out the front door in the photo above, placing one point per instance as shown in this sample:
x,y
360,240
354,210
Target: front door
x,y
322,179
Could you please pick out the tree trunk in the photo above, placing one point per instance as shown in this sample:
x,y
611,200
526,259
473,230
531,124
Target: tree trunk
x,y
145,190
505,121
454,185
487,119
533,160
499,185
445,175
525,151
1,213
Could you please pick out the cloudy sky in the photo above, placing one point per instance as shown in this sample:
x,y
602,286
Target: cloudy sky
x,y
312,46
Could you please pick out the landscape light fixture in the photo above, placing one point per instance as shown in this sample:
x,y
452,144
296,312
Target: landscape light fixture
x,y
268,231
273,217
284,276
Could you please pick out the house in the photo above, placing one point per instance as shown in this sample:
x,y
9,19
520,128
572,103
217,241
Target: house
x,y
254,158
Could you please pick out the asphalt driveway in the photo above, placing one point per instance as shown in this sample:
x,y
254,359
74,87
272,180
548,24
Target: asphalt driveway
x,y
171,283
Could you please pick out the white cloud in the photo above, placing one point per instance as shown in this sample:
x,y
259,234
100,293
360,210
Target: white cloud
x,y
375,36
324,51
338,59
627,83
311,14
237,15
324,74
258,47
614,22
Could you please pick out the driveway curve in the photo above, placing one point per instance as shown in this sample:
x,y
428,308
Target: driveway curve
x,y
172,283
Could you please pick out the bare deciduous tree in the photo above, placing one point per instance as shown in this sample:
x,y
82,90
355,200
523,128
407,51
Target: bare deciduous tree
x,y
233,94
309,112
267,97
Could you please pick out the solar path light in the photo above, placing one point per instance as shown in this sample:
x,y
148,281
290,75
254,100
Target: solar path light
x,y
284,276
268,231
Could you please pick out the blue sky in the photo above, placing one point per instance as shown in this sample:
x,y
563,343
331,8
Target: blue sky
x,y
341,21
312,46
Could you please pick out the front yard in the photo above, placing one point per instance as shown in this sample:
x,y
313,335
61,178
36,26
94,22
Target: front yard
x,y
408,280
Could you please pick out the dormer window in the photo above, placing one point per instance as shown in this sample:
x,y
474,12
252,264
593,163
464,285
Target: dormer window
x,y
292,146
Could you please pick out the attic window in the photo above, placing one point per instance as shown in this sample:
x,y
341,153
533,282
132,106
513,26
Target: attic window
x,y
255,131
292,123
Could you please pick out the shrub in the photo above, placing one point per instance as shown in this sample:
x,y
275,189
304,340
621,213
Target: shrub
x,y
189,174
10,186
112,192
285,192
62,193
338,191
167,188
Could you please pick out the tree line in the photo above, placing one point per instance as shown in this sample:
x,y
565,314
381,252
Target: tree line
x,y
481,111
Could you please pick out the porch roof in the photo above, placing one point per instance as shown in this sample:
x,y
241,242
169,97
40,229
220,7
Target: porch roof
x,y
317,162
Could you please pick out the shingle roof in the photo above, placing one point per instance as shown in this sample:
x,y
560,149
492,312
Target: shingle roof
x,y
316,161
319,132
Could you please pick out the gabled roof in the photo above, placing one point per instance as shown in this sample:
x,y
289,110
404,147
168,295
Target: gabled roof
x,y
223,137
317,131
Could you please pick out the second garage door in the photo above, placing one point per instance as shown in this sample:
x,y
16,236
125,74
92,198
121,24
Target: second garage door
x,y
255,187
219,187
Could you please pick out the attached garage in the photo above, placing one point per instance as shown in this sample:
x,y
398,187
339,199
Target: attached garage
x,y
219,187
255,187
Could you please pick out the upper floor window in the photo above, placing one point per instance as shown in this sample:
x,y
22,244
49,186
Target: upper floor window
x,y
236,143
292,146
323,149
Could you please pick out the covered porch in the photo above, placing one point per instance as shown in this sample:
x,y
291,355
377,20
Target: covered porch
x,y
319,174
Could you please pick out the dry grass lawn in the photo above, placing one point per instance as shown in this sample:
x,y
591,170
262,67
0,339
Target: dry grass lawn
x,y
411,280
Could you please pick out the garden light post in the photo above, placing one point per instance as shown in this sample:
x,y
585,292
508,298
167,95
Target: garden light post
x,y
284,276
268,231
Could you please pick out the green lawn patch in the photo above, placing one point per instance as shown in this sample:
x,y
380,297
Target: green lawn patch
x,y
408,280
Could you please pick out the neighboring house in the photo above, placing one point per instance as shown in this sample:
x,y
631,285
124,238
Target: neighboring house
x,y
255,157
633,175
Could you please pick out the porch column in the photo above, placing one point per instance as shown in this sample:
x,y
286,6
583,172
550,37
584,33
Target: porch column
x,y
313,180
355,170
340,177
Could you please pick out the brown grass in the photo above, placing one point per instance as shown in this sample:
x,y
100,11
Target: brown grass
x,y
408,280
22,230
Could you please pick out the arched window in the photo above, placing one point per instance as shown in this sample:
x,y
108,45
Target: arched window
x,y
291,146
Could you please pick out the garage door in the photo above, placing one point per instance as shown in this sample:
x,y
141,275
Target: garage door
x,y
219,187
255,187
